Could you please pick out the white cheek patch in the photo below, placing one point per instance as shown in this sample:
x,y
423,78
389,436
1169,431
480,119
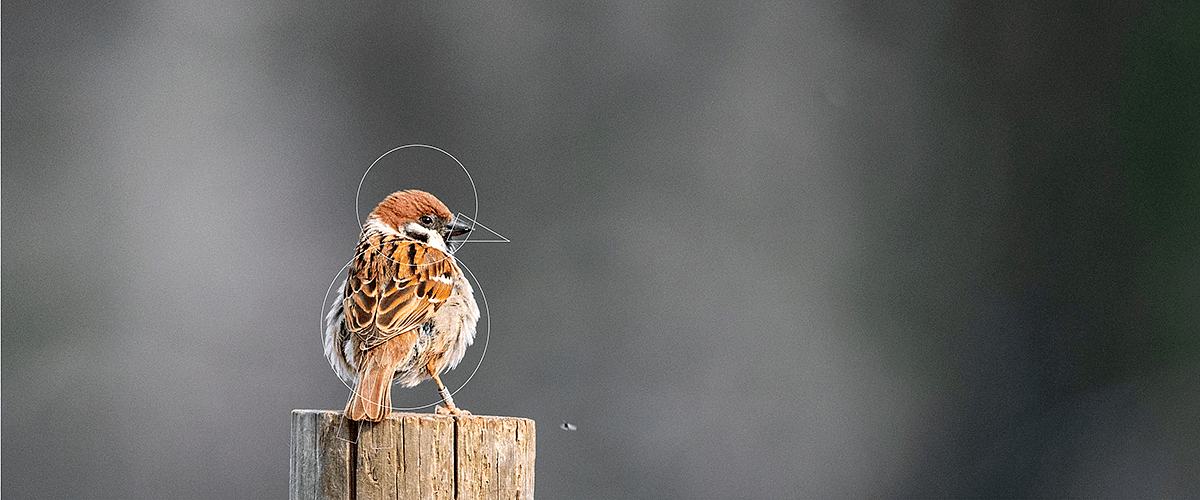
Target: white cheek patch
x,y
422,233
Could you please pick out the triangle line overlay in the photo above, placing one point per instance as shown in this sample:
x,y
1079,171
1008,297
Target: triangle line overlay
x,y
473,223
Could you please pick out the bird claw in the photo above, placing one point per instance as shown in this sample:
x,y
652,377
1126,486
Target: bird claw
x,y
453,410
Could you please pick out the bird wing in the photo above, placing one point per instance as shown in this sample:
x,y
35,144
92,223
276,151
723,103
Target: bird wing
x,y
394,285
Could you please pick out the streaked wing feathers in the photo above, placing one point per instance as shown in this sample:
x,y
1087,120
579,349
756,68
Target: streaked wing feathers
x,y
395,284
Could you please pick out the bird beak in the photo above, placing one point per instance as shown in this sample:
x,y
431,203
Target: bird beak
x,y
455,228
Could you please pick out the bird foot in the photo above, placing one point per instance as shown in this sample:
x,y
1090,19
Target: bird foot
x,y
453,410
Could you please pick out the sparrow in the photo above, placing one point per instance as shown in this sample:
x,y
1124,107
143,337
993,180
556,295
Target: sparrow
x,y
406,312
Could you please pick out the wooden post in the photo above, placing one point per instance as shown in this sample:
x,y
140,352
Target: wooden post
x,y
411,456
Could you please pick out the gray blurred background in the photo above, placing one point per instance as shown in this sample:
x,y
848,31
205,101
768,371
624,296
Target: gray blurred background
x,y
759,250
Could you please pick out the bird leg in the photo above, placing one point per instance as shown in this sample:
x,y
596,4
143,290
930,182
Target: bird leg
x,y
450,409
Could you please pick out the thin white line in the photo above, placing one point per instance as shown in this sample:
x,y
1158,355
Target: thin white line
x,y
487,315
357,213
471,179
504,239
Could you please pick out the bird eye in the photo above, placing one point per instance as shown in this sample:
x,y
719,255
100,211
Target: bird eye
x,y
425,220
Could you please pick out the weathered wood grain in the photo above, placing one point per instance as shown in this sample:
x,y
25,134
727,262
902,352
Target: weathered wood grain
x,y
320,455
377,469
411,455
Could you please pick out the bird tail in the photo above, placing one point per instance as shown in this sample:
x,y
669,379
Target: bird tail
x,y
372,398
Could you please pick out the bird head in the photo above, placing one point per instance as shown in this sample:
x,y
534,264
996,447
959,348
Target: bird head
x,y
420,216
